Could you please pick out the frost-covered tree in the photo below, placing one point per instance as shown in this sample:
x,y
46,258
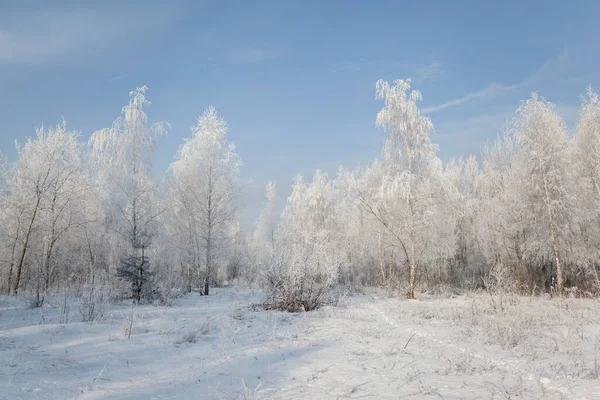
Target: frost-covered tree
x,y
525,217
503,223
10,226
586,185
61,212
44,192
542,139
205,178
462,199
365,247
123,154
405,194
236,257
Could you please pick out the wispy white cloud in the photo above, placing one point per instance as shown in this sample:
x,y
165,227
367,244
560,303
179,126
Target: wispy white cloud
x,y
119,77
492,89
549,67
433,69
251,55
366,66
54,36
475,128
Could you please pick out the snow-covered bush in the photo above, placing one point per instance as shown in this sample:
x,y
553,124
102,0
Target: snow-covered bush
x,y
304,274
306,257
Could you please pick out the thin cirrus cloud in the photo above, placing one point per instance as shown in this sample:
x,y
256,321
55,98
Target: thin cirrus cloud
x,y
548,68
118,77
54,37
492,89
475,129
431,70
251,55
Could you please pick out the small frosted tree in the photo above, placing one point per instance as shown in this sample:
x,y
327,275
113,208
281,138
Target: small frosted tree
x,y
263,237
134,268
236,257
205,179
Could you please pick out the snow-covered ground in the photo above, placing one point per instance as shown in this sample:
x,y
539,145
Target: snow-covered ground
x,y
215,347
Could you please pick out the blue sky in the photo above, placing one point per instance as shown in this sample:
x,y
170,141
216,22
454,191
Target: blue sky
x,y
294,79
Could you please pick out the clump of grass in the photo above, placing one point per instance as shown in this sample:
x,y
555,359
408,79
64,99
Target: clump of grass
x,y
194,335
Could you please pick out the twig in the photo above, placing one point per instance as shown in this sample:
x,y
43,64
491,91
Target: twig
x,y
100,374
408,341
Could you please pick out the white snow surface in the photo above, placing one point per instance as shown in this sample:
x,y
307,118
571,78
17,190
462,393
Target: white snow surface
x,y
369,347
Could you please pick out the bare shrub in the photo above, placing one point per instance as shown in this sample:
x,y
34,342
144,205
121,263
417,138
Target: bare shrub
x,y
34,302
92,304
499,319
594,371
128,322
505,329
168,297
443,291
64,311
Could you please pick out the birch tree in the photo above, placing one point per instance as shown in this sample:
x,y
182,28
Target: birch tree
x,y
206,175
407,198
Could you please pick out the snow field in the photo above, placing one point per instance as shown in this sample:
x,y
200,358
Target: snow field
x,y
217,347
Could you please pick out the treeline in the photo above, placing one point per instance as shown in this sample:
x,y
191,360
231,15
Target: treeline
x,y
524,217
